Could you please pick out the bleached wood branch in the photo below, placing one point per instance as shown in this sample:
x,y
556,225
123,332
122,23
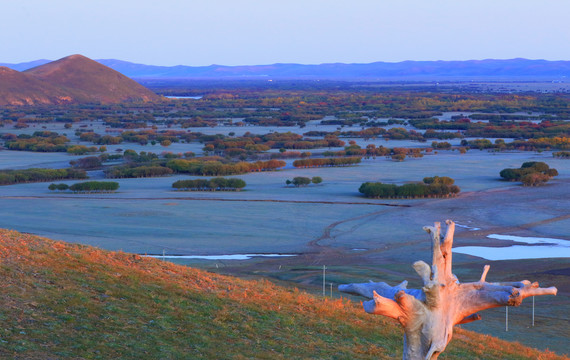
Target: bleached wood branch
x,y
429,314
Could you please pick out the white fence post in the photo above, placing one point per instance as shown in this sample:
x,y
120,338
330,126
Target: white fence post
x,y
506,318
533,311
324,277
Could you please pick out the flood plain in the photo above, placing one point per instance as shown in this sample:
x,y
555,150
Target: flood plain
x,y
328,224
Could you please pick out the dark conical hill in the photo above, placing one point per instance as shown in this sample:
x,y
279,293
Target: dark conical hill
x,y
89,81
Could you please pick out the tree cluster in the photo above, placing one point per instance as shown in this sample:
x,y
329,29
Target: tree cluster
x,y
531,173
319,162
144,171
561,154
218,168
87,163
251,143
430,187
39,141
89,186
8,177
215,184
94,186
304,181
80,149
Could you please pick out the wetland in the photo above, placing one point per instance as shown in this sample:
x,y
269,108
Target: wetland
x,y
328,224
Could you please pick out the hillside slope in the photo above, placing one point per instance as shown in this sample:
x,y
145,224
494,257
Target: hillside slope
x,y
89,81
63,300
73,79
17,88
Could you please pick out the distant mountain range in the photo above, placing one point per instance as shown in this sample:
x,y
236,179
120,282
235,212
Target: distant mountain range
x,y
514,68
73,79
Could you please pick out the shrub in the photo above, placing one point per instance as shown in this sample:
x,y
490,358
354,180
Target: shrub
x,y
531,173
301,181
317,180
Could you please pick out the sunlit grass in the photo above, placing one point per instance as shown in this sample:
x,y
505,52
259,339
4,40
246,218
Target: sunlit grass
x,y
61,300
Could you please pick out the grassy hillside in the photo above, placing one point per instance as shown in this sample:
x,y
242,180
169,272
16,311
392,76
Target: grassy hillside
x,y
62,301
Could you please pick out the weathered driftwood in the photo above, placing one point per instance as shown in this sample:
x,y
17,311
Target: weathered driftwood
x,y
429,315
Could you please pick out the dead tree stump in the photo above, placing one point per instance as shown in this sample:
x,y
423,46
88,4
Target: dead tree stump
x,y
428,315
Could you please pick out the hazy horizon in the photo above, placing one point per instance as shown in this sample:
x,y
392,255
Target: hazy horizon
x,y
324,63
252,32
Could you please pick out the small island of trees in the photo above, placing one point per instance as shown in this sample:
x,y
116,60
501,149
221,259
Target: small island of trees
x,y
87,187
561,154
9,177
319,162
215,184
304,181
431,187
531,173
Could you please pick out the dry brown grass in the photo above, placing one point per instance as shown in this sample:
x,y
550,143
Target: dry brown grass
x,y
62,300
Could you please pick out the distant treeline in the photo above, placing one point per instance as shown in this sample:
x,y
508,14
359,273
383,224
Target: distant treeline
x,y
210,166
396,133
88,187
495,128
318,162
215,184
286,105
8,177
557,142
397,153
430,187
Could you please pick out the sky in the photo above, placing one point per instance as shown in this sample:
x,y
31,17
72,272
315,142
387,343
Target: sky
x,y
255,32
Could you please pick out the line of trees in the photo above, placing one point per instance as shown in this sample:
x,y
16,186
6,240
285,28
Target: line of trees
x,y
87,187
250,143
543,143
8,177
120,172
309,163
430,187
217,168
397,153
561,154
39,141
88,163
215,184
304,181
531,173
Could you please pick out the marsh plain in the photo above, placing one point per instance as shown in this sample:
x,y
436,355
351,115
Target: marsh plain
x,y
328,224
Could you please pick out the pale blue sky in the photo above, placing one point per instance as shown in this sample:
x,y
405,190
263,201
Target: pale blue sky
x,y
249,32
